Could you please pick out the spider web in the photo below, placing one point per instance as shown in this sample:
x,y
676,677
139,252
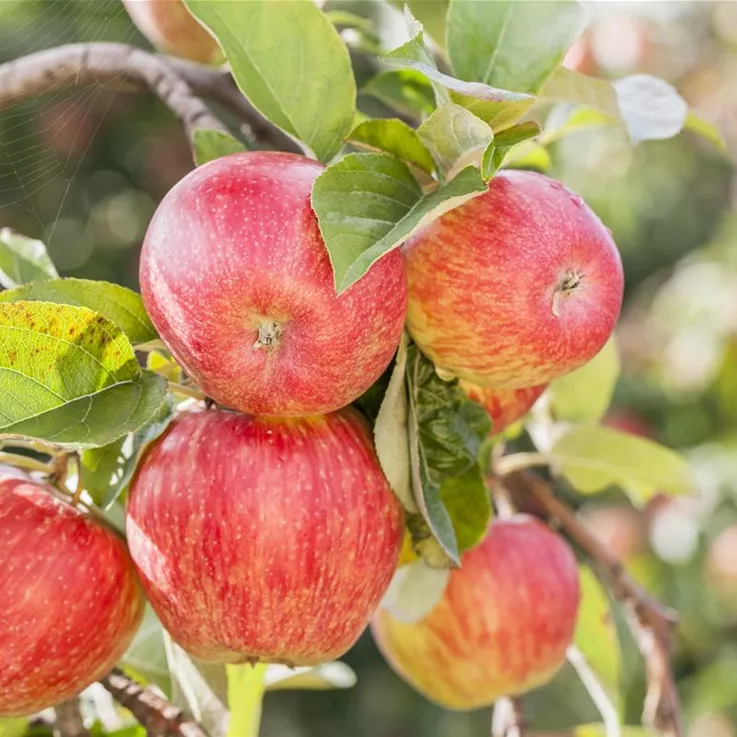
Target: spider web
x,y
46,143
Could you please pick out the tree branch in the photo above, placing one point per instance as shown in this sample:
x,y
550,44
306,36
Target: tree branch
x,y
508,719
176,82
650,622
69,722
218,85
104,63
156,715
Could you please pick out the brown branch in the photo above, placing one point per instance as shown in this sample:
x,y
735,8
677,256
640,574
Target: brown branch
x,y
218,85
69,722
650,622
178,83
155,714
508,719
104,63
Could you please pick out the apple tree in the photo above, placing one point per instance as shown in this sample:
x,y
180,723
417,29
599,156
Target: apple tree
x,y
362,386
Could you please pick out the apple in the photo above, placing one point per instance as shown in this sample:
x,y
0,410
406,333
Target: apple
x,y
502,626
261,539
504,406
626,420
237,280
515,287
170,27
71,599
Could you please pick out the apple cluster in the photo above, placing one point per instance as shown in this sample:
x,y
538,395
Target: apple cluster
x,y
262,528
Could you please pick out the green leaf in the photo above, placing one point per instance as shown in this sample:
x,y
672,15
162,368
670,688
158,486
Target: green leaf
x,y
596,633
651,108
390,432
396,138
599,730
69,376
198,688
210,145
446,431
13,727
467,501
594,457
146,656
23,260
107,471
245,695
510,44
290,62
503,142
528,155
706,129
567,85
368,204
452,133
584,395
405,90
431,13
415,55
122,306
324,677
414,591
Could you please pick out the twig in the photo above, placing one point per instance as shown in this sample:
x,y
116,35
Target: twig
x,y
218,85
650,622
69,721
158,717
30,464
508,719
103,63
598,695
519,462
175,81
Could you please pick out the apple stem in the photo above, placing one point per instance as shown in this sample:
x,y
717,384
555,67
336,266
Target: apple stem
x,y
568,284
245,697
269,332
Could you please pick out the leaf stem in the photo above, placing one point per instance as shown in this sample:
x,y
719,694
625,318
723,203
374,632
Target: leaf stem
x,y
30,464
598,695
186,391
245,696
35,445
519,462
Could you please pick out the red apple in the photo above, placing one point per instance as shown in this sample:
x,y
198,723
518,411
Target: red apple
x,y
504,406
263,539
503,625
237,279
71,601
515,287
626,420
170,27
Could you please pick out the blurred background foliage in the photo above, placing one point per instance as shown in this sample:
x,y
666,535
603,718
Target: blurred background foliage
x,y
84,169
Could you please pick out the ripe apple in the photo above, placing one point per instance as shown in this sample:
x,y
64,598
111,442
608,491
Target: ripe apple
x,y
264,539
71,600
504,406
516,287
503,624
237,280
171,28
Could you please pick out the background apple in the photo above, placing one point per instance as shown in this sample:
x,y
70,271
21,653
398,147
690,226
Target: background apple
x,y
171,28
237,279
505,406
71,601
503,624
516,287
261,539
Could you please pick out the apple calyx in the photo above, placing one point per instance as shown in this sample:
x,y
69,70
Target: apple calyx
x,y
269,332
568,284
